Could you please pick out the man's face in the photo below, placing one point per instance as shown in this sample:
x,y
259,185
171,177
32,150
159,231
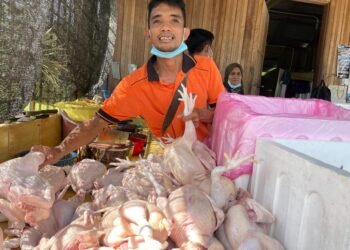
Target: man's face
x,y
167,30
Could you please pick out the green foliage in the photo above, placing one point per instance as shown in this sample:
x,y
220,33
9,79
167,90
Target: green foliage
x,y
54,60
54,83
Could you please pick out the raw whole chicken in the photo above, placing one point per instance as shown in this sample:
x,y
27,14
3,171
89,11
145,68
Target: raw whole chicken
x,y
135,180
84,173
223,190
137,224
11,243
159,160
136,177
189,160
55,176
29,197
11,212
101,248
221,236
259,241
242,232
138,243
109,196
237,225
113,177
74,237
47,226
15,228
63,211
82,233
257,213
30,239
215,244
204,154
194,215
86,207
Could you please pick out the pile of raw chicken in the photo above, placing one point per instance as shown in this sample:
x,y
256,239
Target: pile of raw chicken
x,y
176,201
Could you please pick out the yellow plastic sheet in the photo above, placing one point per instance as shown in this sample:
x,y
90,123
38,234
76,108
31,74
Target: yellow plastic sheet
x,y
79,110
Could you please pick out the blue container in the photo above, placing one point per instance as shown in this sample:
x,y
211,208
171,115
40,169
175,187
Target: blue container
x,y
106,94
67,160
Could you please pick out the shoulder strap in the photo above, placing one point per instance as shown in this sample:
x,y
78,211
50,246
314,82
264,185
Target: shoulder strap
x,y
173,107
320,87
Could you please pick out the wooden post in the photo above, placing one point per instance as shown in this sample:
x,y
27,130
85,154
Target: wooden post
x,y
335,30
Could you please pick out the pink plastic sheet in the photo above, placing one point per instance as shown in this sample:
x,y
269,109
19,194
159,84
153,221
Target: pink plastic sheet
x,y
239,120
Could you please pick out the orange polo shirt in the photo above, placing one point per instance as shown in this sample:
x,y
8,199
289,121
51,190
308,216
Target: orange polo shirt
x,y
142,94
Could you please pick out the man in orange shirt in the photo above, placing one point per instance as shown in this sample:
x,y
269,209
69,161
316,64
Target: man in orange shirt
x,y
148,91
200,42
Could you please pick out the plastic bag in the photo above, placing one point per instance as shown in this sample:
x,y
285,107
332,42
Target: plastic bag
x,y
240,120
321,91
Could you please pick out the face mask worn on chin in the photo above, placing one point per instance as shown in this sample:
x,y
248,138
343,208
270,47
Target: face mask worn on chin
x,y
234,86
171,54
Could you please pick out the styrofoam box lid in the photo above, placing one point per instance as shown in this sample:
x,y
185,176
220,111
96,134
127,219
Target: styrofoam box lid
x,y
336,154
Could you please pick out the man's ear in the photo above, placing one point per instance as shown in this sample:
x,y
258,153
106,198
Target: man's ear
x,y
187,32
209,51
147,34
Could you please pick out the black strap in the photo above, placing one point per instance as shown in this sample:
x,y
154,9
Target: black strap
x,y
321,86
173,107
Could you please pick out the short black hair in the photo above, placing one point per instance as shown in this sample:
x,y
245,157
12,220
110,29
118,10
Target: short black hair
x,y
175,3
198,39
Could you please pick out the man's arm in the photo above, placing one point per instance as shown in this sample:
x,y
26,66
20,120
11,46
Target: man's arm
x,y
81,135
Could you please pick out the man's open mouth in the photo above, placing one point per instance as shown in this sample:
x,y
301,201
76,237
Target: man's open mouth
x,y
165,38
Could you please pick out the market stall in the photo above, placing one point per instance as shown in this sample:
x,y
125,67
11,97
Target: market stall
x,y
176,199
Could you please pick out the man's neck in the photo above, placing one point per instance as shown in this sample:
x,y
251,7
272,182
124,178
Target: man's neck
x,y
168,68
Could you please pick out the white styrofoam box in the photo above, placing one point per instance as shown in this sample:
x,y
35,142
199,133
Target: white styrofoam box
x,y
310,199
344,105
336,154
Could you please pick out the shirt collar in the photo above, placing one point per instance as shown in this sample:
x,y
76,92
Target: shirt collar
x,y
187,64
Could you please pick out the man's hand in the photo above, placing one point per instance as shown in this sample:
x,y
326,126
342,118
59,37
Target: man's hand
x,y
83,134
52,154
200,115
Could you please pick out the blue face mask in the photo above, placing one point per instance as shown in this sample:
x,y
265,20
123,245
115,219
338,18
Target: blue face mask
x,y
234,86
179,50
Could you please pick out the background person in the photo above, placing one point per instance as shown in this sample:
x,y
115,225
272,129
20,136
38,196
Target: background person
x,y
199,42
233,78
